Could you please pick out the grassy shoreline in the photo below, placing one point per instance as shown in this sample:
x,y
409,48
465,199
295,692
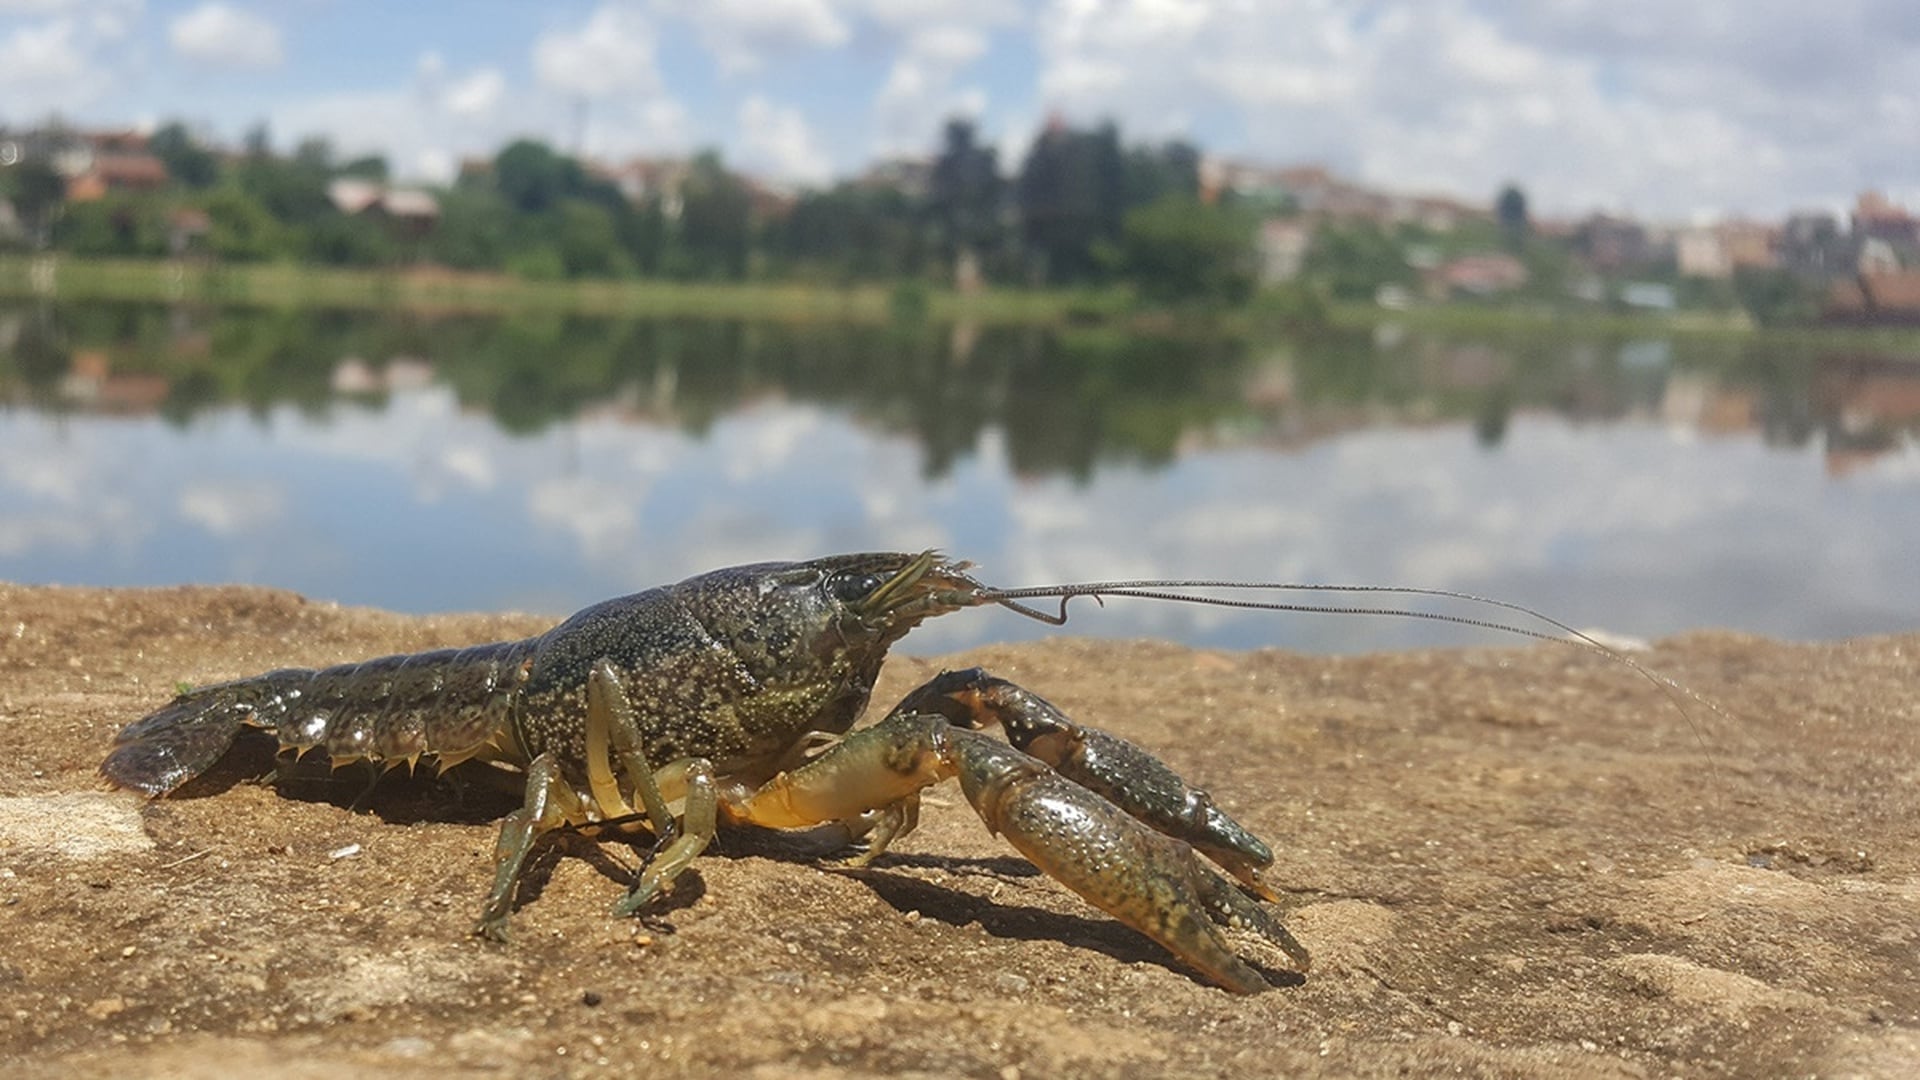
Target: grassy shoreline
x,y
1466,320
434,290
431,289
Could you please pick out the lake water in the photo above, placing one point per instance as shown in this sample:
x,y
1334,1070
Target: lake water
x,y
540,463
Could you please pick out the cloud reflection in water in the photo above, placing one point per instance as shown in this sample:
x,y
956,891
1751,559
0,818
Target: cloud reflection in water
x,y
422,506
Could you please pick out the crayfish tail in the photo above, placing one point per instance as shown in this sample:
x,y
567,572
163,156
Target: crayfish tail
x,y
177,742
174,744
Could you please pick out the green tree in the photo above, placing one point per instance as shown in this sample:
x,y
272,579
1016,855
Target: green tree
x,y
314,153
188,162
533,178
1510,210
1775,297
119,225
1071,199
1177,249
258,141
850,232
371,167
1354,261
1550,269
716,227
37,192
965,194
643,234
360,240
240,228
1156,172
585,239
536,262
475,230
39,354
294,191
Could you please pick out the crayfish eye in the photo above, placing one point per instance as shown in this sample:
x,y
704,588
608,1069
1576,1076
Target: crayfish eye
x,y
852,588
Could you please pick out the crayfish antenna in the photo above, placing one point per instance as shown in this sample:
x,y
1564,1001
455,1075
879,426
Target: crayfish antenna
x,y
1163,589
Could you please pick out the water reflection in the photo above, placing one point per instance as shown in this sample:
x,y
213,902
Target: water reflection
x,y
1068,401
543,462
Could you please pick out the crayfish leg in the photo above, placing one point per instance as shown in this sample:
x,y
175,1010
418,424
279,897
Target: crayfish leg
x,y
890,823
551,802
613,739
691,779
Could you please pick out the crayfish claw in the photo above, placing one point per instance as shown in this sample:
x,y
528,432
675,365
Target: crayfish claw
x,y
1154,883
1126,775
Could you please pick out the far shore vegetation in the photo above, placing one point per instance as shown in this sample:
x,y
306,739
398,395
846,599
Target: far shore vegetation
x,y
1087,228
437,290
284,284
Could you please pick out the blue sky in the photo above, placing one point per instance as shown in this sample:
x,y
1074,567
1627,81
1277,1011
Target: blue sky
x,y
1674,111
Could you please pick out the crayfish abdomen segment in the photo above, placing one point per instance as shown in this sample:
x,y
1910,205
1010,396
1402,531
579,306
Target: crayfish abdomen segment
x,y
452,704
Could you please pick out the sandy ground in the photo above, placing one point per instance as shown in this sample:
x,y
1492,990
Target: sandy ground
x,y
1510,863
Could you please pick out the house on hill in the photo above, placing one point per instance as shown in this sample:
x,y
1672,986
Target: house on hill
x,y
97,164
1876,299
411,211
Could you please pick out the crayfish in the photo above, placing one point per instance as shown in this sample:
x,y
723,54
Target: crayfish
x,y
730,698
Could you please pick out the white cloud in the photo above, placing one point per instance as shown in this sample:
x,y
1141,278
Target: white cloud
x,y
776,140
920,86
471,96
907,15
427,124
233,507
471,465
611,62
22,534
1664,110
1636,105
423,126
64,62
476,94
57,482
223,36
948,44
46,53
40,7
48,479
612,54
598,514
770,440
1453,103
742,34
105,19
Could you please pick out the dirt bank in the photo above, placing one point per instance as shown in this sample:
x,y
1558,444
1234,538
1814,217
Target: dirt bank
x,y
1513,862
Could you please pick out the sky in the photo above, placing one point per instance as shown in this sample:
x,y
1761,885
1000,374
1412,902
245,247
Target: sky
x,y
1670,111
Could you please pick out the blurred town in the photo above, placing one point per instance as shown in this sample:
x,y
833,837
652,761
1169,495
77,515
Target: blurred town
x,y
1167,222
